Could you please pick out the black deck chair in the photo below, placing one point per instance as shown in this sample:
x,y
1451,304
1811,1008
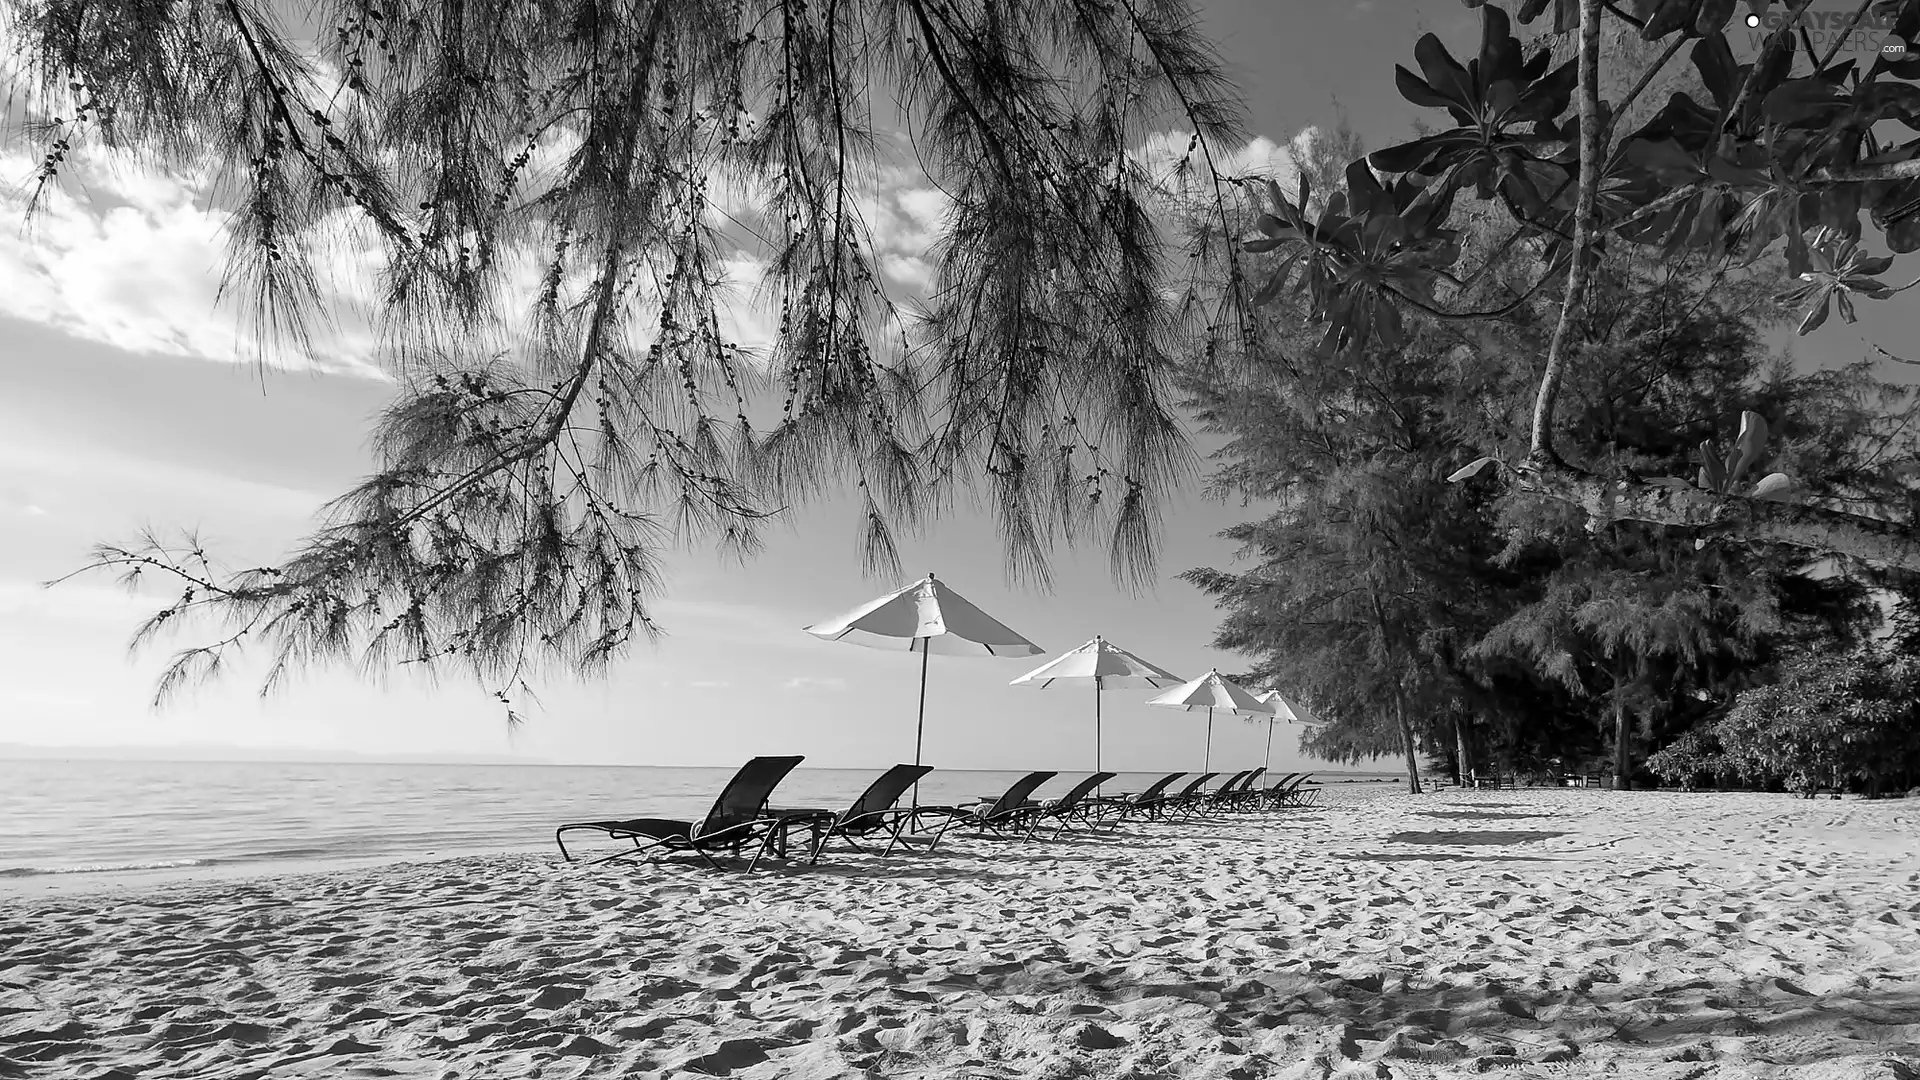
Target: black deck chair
x,y
1121,807
1219,797
1269,796
1302,792
874,813
1244,792
1072,807
1013,810
1292,792
739,817
1186,798
1158,809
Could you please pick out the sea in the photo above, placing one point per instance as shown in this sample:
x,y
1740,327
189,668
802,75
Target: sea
x,y
60,818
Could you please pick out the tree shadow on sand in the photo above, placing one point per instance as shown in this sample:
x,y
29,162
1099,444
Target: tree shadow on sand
x,y
1472,838
1485,1023
1441,856
1477,815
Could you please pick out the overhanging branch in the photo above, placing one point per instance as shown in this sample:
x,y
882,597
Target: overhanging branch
x,y
1741,520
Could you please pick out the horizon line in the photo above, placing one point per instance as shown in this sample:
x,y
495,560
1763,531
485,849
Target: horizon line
x,y
53,754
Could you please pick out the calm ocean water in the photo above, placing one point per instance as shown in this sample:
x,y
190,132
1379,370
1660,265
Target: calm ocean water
x,y
73,816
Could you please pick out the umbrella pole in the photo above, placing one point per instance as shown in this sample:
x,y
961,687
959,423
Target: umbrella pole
x,y
1269,760
1096,731
920,725
1208,762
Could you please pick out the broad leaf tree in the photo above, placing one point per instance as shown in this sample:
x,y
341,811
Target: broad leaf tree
x,y
1572,637
1787,154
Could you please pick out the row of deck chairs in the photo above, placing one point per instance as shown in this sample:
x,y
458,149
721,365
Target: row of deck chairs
x,y
742,818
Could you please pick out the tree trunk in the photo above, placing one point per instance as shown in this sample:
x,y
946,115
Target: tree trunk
x,y
1460,750
1585,202
1399,691
1407,741
1622,760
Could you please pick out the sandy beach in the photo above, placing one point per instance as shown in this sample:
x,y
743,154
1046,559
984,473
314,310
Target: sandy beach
x,y
1529,934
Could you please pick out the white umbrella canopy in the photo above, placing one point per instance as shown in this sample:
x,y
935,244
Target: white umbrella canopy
x,y
1211,692
1283,710
1103,660
1104,664
925,617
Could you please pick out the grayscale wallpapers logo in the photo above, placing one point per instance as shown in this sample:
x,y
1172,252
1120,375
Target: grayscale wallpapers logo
x,y
1867,33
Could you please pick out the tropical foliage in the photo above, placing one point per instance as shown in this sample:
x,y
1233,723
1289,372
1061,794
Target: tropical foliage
x,y
1784,154
1520,635
1830,719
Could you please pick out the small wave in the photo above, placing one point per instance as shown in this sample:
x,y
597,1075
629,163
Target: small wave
x,y
101,868
286,854
292,853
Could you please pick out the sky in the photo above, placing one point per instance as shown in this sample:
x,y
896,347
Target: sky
x,y
125,406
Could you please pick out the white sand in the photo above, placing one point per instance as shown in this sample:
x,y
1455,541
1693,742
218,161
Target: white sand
x,y
1531,934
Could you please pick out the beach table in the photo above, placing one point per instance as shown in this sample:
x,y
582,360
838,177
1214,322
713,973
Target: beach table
x,y
817,820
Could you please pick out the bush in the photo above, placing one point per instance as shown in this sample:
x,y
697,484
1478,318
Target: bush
x,y
1691,760
1828,720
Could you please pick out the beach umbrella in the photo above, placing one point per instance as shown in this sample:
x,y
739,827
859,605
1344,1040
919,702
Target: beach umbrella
x,y
1104,664
1282,710
1213,692
925,617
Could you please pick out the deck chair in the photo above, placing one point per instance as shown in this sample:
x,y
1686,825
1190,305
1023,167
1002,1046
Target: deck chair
x,y
1072,807
1013,811
1219,797
1262,797
1180,801
1243,793
1295,792
1304,793
739,817
873,814
1121,807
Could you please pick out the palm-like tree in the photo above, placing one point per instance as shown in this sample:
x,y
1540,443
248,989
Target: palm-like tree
x,y
554,188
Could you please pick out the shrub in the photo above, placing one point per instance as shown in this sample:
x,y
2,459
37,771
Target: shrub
x,y
1828,720
1690,759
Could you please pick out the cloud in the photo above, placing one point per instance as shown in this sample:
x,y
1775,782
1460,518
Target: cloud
x,y
43,701
131,256
74,602
814,682
68,465
906,216
135,263
737,624
1166,158
19,501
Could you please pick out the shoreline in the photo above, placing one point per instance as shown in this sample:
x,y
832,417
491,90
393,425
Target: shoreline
x,y
122,880
1582,933
237,872
191,862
